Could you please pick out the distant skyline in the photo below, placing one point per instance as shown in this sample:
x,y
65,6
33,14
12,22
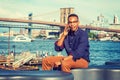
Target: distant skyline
x,y
49,10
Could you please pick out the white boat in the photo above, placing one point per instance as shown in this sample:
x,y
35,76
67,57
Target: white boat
x,y
22,38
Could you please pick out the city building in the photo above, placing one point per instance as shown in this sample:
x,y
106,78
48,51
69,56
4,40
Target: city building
x,y
115,24
52,34
116,20
100,22
103,23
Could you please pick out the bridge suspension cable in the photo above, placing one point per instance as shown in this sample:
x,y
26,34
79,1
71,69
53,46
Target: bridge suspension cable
x,y
41,15
82,16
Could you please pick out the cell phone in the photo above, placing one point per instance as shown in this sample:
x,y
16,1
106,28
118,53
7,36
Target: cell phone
x,y
68,29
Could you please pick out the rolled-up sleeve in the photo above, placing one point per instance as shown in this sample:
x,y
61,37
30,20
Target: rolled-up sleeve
x,y
58,48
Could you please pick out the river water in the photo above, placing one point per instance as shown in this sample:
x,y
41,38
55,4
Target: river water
x,y
100,51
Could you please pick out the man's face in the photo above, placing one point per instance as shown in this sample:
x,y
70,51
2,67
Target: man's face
x,y
73,23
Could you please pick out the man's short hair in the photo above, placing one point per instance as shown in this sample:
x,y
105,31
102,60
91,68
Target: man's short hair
x,y
73,15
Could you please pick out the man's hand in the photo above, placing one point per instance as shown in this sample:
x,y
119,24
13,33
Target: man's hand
x,y
60,62
57,64
63,35
66,30
68,57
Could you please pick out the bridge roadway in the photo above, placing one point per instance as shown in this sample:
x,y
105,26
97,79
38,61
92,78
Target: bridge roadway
x,y
57,24
26,26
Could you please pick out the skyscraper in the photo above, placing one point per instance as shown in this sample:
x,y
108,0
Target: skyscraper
x,y
115,20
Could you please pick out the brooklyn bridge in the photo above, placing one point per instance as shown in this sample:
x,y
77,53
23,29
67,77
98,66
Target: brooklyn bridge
x,y
57,24
64,12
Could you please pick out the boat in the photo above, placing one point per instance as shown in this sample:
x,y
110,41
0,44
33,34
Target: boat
x,y
22,38
115,39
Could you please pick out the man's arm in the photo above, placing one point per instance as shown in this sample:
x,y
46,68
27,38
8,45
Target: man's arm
x,y
61,40
59,43
63,35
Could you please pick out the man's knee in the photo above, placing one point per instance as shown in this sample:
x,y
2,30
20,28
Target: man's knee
x,y
44,60
65,65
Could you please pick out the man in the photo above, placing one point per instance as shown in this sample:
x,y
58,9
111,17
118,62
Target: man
x,y
75,42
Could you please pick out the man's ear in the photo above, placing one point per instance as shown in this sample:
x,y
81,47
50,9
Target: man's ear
x,y
78,22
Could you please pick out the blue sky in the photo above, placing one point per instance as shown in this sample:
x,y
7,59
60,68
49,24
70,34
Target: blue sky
x,y
49,10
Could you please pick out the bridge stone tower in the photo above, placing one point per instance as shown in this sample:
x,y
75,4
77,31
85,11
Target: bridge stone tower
x,y
29,24
64,12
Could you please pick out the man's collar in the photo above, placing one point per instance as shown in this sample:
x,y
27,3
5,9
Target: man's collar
x,y
74,32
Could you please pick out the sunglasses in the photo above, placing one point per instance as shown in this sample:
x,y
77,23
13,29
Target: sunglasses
x,y
69,22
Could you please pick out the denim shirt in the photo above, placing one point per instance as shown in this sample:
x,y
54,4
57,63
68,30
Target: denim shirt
x,y
76,44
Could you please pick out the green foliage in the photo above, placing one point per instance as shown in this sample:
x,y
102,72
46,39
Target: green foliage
x,y
92,35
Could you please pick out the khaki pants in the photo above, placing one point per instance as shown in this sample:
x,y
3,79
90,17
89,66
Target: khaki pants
x,y
49,62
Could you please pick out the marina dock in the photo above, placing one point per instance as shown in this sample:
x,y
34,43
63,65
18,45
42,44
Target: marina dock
x,y
23,61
